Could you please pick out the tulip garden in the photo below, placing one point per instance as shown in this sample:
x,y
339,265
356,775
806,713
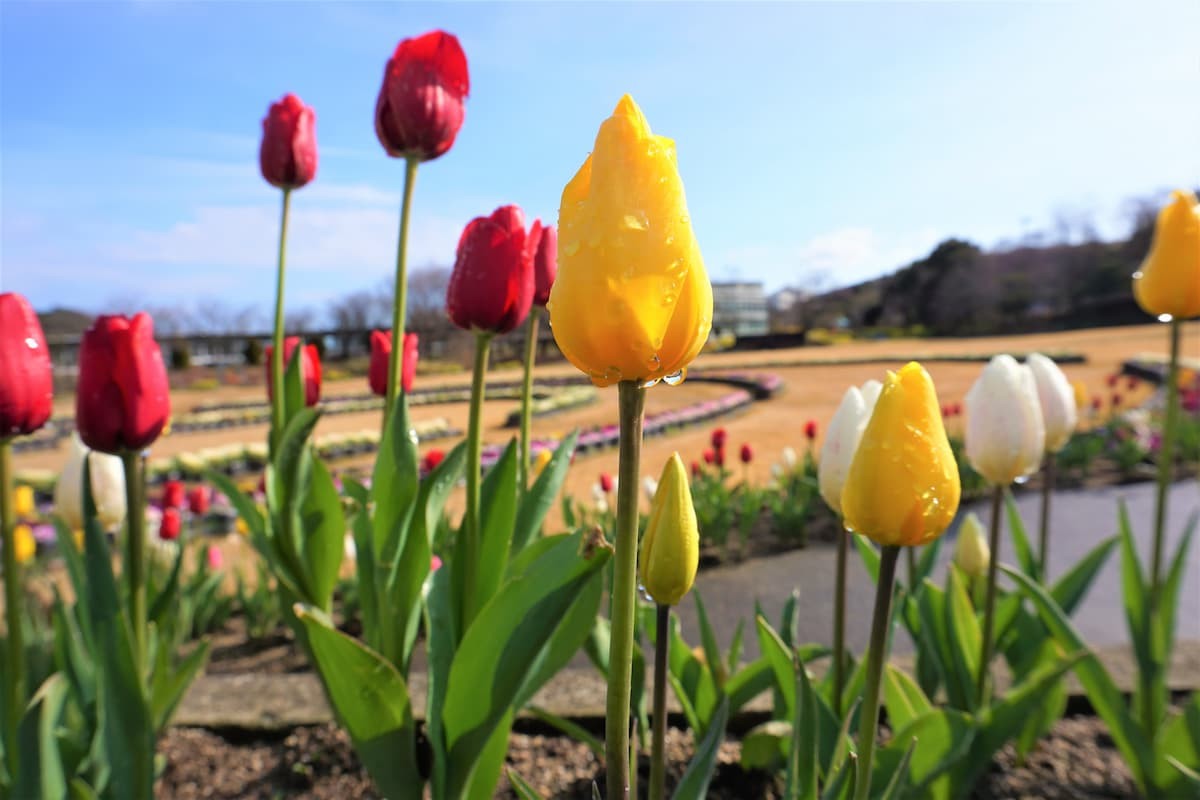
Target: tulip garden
x,y
439,570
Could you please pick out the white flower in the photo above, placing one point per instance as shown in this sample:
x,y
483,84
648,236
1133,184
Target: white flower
x,y
789,459
649,487
108,487
349,548
1057,398
599,498
1005,435
841,440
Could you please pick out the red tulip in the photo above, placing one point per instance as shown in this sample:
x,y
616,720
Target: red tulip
x,y
746,454
310,369
288,156
1111,380
1116,399
720,457
122,402
718,438
709,456
198,500
171,524
606,482
491,287
810,430
696,469
1097,403
420,105
545,265
26,378
958,409
381,354
431,460
172,494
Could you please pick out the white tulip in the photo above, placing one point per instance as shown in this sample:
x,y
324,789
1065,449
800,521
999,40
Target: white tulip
x,y
1057,398
649,488
599,498
1005,435
108,487
841,440
789,459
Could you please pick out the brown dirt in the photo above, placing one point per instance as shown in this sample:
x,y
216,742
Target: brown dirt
x,y
1076,762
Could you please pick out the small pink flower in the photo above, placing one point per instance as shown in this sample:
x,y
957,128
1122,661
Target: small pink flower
x,y
215,558
435,564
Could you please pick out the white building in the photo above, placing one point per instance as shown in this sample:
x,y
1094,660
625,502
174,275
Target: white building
x,y
740,308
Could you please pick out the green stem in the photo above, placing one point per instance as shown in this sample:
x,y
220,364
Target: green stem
x,y
662,645
989,604
1166,459
868,720
471,529
839,619
910,554
1044,524
277,403
631,402
400,301
527,397
135,551
14,671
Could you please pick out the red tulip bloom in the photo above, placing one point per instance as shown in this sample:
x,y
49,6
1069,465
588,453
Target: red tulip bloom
x,y
958,409
491,287
173,494
696,469
310,368
122,401
545,266
288,156
1111,380
1097,403
810,430
381,354
420,105
172,523
431,460
720,457
746,454
26,378
606,482
1116,399
198,500
718,438
709,456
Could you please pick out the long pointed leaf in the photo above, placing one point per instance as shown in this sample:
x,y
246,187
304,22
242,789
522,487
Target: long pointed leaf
x,y
695,780
537,501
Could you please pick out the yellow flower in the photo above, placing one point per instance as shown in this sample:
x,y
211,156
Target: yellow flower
x,y
902,488
23,505
972,554
241,527
632,300
24,543
1082,398
77,535
540,461
671,545
1169,279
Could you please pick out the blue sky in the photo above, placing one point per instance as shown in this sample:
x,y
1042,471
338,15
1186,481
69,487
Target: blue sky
x,y
834,139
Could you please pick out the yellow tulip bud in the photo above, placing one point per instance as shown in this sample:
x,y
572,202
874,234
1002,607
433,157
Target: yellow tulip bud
x,y
25,546
1082,397
1169,279
671,545
902,488
632,300
540,461
972,554
23,505
241,527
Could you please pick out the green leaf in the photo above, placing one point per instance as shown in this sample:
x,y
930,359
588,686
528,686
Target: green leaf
x,y
748,683
708,638
806,741
323,531
436,488
572,729
440,621
685,702
928,559
695,780
522,788
371,700
764,745
293,383
734,655
870,556
1178,743
365,572
778,656
1024,552
394,483
945,736
41,772
169,686
162,601
841,785
497,516
486,772
965,641
896,769
540,497
904,700
1070,589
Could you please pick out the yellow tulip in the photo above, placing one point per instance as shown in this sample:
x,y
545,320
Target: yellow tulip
x,y
540,461
25,544
632,300
902,488
671,545
1082,397
1169,279
23,505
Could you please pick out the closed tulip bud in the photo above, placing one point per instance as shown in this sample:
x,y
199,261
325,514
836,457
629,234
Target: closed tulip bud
x,y
540,461
432,459
1005,435
1081,394
1169,279
696,469
171,525
310,368
381,354
810,430
23,505
1057,400
972,554
719,457
26,379
122,401
420,107
288,156
198,500
25,545
108,487
632,300
841,440
545,265
491,287
173,492
670,551
902,487
709,456
718,438
606,482
746,454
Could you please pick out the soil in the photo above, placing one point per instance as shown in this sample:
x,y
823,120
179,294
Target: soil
x,y
1076,761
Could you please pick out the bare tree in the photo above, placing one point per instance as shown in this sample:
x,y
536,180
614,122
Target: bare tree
x,y
427,298
300,321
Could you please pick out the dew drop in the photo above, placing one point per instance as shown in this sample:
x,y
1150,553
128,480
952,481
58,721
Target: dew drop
x,y
637,221
1137,276
676,378
648,383
1165,318
571,248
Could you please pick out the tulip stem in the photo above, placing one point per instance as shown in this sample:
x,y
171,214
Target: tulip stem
x,y
1044,527
910,554
1166,460
277,399
135,550
662,646
839,619
470,550
14,670
527,398
868,721
400,301
989,603
632,401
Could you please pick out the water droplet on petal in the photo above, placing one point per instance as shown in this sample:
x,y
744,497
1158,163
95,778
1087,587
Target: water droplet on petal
x,y
571,248
1165,317
676,378
648,383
